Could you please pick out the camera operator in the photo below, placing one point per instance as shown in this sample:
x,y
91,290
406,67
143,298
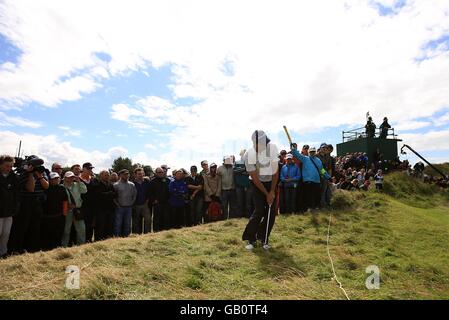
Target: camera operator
x,y
8,200
33,181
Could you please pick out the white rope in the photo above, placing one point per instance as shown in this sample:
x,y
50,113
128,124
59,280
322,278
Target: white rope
x,y
330,258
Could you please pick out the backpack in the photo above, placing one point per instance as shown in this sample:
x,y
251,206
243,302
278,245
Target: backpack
x,y
214,211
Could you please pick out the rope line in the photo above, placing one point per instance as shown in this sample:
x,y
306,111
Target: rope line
x,y
330,258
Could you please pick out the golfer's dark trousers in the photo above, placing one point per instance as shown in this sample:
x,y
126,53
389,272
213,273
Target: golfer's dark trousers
x,y
257,225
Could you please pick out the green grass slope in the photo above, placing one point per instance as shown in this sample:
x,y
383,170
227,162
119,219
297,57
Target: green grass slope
x,y
403,231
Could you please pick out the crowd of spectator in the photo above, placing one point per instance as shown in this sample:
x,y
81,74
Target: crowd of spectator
x,y
42,209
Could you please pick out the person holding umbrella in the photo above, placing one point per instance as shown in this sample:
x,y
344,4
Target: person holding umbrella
x,y
261,163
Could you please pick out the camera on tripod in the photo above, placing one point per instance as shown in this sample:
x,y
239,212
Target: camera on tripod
x,y
23,164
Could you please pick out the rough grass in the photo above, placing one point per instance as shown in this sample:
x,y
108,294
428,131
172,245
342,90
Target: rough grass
x,y
404,235
443,167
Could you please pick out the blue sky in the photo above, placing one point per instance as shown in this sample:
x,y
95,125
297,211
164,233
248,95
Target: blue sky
x,y
182,85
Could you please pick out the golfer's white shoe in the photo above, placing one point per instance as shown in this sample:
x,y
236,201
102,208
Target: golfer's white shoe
x,y
266,247
249,246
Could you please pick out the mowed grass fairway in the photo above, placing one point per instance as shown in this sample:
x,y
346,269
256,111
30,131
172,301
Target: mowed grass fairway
x,y
404,231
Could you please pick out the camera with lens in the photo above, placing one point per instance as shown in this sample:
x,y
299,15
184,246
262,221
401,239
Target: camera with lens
x,y
22,164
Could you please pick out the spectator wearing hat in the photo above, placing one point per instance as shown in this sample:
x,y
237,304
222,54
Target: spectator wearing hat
x,y
104,206
228,195
88,178
178,197
312,173
9,200
195,184
384,127
212,186
126,194
74,188
290,177
141,210
53,217
159,196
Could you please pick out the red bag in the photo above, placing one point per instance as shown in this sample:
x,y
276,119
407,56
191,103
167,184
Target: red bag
x,y
214,211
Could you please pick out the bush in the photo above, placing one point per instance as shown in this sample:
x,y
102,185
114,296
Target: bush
x,y
342,200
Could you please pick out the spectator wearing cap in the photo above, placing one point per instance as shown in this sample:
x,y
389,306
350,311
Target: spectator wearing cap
x,y
103,204
141,218
312,172
126,194
88,178
195,184
178,197
74,189
9,200
212,186
26,226
159,196
228,195
205,168
290,176
326,160
53,217
242,188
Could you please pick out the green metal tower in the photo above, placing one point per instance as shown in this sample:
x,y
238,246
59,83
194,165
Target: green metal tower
x,y
356,141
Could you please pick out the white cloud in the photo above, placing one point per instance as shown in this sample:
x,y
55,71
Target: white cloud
x,y
150,146
70,132
441,121
430,141
412,125
307,65
53,149
7,121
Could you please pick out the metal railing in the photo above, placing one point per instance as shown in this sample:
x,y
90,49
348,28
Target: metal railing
x,y
360,133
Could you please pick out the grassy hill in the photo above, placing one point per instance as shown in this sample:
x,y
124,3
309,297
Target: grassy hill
x,y
403,231
443,167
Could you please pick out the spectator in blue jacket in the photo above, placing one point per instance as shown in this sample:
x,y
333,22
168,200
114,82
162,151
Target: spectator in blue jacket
x,y
290,176
178,197
312,173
